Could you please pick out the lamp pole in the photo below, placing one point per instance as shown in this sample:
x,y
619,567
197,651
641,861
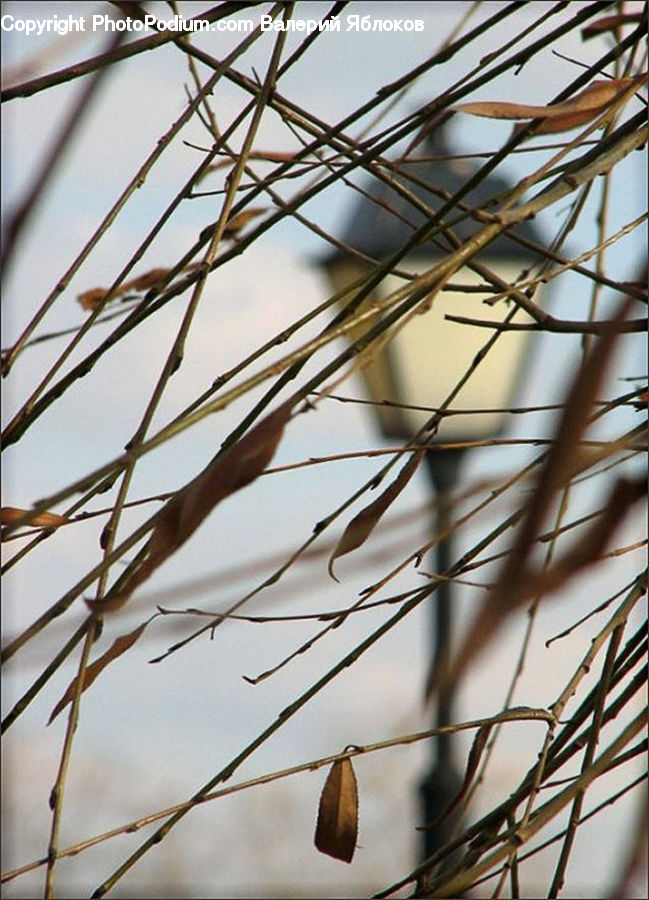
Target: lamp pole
x,y
442,782
420,367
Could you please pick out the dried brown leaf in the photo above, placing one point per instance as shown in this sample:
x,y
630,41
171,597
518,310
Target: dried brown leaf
x,y
592,545
92,298
43,520
272,156
610,23
337,825
119,646
236,223
579,110
181,515
143,282
475,755
362,525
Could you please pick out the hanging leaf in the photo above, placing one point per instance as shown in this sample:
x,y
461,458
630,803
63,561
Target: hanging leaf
x,y
610,23
337,826
9,514
475,754
593,543
92,298
236,223
362,525
179,518
579,110
119,646
143,282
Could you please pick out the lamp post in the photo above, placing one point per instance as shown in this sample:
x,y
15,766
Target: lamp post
x,y
423,363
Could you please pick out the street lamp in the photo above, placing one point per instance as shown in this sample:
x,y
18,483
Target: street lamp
x,y
424,361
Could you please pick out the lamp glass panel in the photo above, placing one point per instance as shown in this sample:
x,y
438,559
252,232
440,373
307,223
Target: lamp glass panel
x,y
430,355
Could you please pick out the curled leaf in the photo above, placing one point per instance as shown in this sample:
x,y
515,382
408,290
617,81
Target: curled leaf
x,y
92,298
143,282
610,23
475,754
181,515
337,825
591,546
236,223
119,646
580,109
10,514
362,525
